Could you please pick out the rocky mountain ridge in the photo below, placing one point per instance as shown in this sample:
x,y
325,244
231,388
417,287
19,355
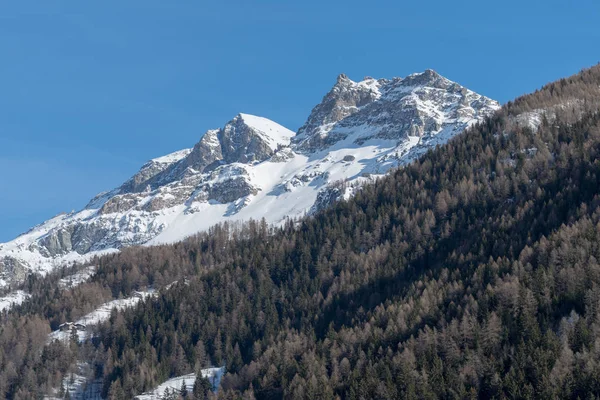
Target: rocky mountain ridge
x,y
253,168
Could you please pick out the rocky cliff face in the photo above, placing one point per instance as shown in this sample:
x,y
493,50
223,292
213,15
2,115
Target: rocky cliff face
x,y
344,99
244,139
255,168
418,105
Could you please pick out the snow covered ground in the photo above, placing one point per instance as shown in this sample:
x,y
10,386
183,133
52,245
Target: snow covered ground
x,y
76,279
273,133
78,386
100,315
172,157
214,375
12,299
17,297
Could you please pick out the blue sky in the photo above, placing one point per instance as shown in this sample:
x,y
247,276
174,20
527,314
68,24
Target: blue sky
x,y
91,90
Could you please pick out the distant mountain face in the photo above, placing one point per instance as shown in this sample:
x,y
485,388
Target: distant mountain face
x,y
255,168
419,105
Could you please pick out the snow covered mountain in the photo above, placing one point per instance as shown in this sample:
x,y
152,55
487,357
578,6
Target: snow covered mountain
x,y
254,168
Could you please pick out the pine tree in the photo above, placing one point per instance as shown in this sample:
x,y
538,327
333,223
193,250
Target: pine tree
x,y
183,392
202,387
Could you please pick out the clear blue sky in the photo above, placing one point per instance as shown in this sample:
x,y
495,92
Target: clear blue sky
x,y
91,90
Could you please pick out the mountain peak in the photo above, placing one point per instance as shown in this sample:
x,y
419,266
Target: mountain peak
x,y
428,77
428,73
431,72
344,99
249,169
273,133
342,78
420,104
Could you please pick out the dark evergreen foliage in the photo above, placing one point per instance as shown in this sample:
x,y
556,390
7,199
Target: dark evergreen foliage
x,y
471,273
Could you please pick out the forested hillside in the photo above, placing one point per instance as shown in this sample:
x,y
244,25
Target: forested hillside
x,y
471,273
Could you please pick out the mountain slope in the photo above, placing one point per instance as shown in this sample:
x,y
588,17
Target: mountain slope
x,y
255,168
470,273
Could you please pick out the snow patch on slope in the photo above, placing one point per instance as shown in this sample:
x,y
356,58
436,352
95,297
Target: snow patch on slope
x,y
83,325
273,133
173,157
78,385
76,279
214,375
13,299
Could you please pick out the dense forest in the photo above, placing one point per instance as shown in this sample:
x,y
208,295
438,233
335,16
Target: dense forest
x,y
473,272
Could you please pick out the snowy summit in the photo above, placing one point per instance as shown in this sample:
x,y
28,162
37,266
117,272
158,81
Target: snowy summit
x,y
255,168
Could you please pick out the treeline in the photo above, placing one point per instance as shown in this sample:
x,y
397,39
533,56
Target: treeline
x,y
567,97
471,273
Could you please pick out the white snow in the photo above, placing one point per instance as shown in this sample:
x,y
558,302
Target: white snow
x,y
173,157
282,194
12,299
214,375
17,297
100,315
24,248
76,279
532,119
78,385
272,132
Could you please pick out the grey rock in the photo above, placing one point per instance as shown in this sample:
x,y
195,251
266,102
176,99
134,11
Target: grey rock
x,y
86,237
175,196
142,179
230,190
139,181
80,238
327,197
235,142
13,269
119,203
418,105
241,143
283,155
57,242
343,100
205,153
